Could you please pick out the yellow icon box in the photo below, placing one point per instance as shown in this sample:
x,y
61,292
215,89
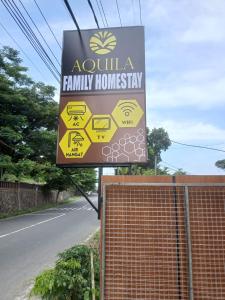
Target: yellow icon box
x,y
101,128
127,113
74,144
76,114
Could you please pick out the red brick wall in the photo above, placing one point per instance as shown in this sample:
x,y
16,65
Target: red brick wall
x,y
145,240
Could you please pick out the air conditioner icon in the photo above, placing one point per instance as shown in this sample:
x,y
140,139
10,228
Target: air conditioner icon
x,y
76,109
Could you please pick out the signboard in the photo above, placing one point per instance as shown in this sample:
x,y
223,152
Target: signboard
x,y
102,99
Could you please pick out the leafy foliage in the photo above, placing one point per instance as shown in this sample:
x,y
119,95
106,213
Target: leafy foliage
x,y
28,124
157,141
71,277
220,164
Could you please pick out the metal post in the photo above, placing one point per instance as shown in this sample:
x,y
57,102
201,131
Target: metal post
x,y
103,243
100,172
155,165
188,240
81,191
178,264
92,276
130,170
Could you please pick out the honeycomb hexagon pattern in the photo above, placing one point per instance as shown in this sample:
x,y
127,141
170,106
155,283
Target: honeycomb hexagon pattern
x,y
121,150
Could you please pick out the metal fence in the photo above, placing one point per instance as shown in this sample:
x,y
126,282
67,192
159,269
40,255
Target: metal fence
x,y
163,241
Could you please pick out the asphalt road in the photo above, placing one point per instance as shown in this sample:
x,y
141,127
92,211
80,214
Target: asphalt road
x,y
30,243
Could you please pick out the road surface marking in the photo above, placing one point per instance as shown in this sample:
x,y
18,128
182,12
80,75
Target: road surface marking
x,y
43,214
36,224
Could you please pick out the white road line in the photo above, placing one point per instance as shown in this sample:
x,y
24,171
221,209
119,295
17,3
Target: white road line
x,y
82,207
44,214
36,224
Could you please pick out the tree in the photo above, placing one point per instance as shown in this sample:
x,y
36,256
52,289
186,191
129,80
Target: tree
x,y
157,141
28,128
180,172
6,165
28,115
220,164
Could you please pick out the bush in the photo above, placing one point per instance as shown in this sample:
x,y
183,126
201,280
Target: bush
x,y
71,277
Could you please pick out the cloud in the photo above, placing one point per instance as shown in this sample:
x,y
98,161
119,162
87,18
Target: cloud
x,y
186,131
201,89
205,29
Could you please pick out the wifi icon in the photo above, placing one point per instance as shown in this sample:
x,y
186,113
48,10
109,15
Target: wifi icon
x,y
127,107
127,113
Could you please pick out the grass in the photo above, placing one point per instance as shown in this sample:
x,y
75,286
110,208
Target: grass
x,y
38,208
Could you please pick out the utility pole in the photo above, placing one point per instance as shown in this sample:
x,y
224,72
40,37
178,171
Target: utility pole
x,y
155,164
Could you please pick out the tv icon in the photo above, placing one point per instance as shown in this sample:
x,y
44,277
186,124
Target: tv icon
x,y
101,123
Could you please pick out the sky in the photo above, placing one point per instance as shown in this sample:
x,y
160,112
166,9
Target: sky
x,y
185,66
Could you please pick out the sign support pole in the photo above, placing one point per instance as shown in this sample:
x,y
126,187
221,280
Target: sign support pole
x,y
82,192
100,172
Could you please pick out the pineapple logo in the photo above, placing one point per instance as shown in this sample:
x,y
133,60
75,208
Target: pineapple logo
x,y
102,42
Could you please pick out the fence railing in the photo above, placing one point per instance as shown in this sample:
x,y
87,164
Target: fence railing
x,y
163,241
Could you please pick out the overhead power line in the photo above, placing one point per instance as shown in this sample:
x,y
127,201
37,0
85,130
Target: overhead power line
x,y
21,22
21,49
118,13
99,9
171,166
71,14
19,16
103,13
47,24
140,14
92,9
198,146
29,16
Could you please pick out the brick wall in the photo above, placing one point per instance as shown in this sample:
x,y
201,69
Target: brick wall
x,y
145,238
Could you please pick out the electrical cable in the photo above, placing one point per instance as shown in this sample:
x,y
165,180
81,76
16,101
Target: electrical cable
x,y
100,13
174,167
71,14
92,9
47,24
139,1
118,13
197,146
39,32
19,13
103,13
28,35
32,34
170,168
21,49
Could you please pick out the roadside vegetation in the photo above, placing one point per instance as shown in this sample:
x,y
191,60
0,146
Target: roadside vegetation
x,y
73,275
28,130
